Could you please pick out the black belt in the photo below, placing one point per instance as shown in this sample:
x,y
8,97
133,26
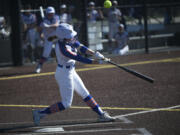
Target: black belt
x,y
61,66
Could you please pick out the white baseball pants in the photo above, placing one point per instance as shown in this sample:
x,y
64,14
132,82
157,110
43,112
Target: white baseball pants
x,y
68,81
122,51
47,48
32,37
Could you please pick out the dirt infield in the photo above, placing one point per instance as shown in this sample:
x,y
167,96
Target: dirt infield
x,y
117,91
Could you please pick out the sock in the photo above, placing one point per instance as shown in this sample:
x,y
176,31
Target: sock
x,y
53,108
42,60
92,103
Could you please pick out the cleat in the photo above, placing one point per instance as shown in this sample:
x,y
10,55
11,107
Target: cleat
x,y
38,69
105,117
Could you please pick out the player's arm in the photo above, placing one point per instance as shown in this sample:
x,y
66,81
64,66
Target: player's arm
x,y
100,14
97,55
85,50
99,58
54,25
119,15
70,54
50,25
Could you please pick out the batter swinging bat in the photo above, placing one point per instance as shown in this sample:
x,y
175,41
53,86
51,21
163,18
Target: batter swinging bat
x,y
144,77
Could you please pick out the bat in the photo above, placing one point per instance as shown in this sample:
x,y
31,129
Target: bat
x,y
144,77
41,11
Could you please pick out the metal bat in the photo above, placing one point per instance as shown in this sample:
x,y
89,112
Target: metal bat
x,y
42,12
144,77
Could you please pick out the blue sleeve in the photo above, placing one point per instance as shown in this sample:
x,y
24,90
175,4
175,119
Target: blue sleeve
x,y
74,56
57,18
82,49
76,44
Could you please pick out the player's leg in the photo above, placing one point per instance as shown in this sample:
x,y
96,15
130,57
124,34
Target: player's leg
x,y
25,47
32,38
66,87
88,99
84,93
46,52
124,50
65,82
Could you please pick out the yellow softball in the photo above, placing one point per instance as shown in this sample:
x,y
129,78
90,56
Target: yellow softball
x,y
107,4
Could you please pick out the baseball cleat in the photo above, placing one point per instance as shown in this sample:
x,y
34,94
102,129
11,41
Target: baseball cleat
x,y
105,117
36,117
38,69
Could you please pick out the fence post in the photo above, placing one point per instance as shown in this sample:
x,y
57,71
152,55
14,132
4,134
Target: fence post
x,y
85,31
16,33
145,26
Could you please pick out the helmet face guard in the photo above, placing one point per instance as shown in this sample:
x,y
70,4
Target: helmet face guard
x,y
50,15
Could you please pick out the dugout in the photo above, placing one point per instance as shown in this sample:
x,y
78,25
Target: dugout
x,y
11,47
5,42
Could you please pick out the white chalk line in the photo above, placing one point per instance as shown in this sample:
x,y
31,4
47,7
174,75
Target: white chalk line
x,y
143,112
141,130
123,120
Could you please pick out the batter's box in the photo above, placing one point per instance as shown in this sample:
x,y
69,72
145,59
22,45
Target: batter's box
x,y
113,131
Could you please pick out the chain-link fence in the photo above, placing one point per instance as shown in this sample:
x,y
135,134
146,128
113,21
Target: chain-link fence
x,y
162,26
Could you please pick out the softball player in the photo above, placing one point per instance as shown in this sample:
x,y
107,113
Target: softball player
x,y
92,14
64,16
30,33
49,25
121,38
114,17
68,80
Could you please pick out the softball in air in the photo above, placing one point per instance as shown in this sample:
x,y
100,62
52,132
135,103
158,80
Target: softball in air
x,y
107,4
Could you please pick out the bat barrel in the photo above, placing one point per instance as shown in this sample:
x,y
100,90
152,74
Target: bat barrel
x,y
144,77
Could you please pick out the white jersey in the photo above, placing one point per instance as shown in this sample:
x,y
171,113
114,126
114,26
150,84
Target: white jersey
x,y
46,30
93,15
62,59
67,55
65,18
113,15
28,19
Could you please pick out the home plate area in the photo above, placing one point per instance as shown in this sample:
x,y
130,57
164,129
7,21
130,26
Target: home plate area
x,y
122,126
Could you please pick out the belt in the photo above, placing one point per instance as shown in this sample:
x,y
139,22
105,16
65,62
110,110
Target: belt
x,y
68,67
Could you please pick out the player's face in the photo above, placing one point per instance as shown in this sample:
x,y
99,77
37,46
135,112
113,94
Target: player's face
x,y
91,7
27,13
63,10
71,40
121,29
50,15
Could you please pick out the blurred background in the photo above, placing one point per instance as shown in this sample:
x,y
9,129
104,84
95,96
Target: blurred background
x,y
149,24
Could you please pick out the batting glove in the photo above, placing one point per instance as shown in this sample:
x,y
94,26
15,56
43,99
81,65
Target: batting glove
x,y
98,55
103,61
106,60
